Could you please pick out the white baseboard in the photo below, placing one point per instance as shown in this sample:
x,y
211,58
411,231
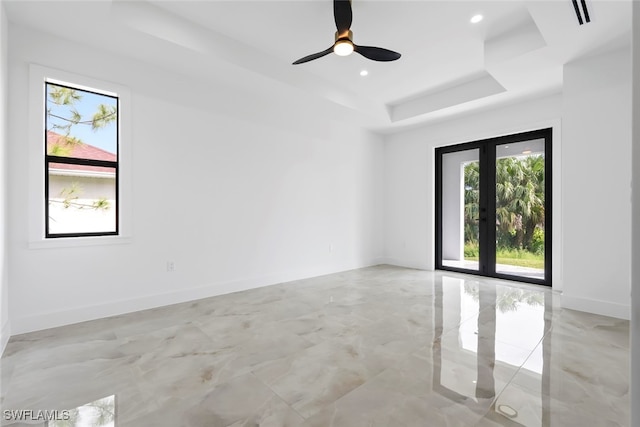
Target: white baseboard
x,y
21,325
604,308
5,334
418,265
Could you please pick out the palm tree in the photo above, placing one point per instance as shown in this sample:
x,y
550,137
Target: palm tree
x,y
520,197
536,176
471,201
519,200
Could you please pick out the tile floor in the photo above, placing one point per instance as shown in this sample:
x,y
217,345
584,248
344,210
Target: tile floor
x,y
380,346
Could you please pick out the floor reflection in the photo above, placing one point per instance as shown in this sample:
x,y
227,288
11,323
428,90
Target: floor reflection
x,y
99,413
380,346
511,270
487,334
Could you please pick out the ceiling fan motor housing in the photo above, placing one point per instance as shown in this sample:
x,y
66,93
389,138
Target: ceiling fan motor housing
x,y
344,36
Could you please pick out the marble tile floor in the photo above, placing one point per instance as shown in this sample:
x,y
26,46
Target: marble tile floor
x,y
379,346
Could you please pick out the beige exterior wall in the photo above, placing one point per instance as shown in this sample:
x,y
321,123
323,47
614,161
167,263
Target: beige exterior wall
x,y
81,216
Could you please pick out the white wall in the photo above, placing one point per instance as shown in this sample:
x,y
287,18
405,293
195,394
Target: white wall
x,y
592,172
4,258
596,171
409,172
239,192
635,222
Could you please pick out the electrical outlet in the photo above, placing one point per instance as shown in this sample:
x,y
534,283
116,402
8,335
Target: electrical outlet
x,y
171,266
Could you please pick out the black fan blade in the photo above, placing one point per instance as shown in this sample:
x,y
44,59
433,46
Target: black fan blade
x,y
343,15
376,53
314,56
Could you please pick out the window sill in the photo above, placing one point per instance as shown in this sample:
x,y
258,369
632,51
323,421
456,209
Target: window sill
x,y
75,242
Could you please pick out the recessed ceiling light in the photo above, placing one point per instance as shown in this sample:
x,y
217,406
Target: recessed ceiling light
x,y
364,73
476,18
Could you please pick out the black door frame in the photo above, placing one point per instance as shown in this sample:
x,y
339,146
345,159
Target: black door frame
x,y
487,187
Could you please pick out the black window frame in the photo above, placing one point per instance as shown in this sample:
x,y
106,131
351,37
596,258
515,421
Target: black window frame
x,y
48,159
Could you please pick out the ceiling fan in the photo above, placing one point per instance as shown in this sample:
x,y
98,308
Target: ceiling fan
x,y
344,45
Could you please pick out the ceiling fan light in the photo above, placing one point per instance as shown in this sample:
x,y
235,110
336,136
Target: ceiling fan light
x,y
343,48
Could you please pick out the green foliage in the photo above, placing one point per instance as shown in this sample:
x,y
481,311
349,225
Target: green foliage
x,y
510,300
519,257
519,202
519,199
507,256
471,201
102,204
471,250
537,242
63,96
59,150
505,239
105,115
63,147
507,300
71,194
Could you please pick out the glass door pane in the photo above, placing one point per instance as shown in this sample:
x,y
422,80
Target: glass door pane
x,y
520,209
460,209
493,207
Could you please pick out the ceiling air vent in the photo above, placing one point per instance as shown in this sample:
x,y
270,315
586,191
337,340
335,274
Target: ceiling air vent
x,y
583,15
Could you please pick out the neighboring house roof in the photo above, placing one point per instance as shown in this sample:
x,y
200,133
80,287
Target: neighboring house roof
x,y
78,150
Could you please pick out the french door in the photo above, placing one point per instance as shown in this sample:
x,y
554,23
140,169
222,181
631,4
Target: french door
x,y
493,207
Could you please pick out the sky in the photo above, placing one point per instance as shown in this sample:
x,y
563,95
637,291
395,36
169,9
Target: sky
x,y
87,106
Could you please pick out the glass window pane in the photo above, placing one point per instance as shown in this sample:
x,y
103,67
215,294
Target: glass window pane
x,y
460,209
520,213
82,199
81,124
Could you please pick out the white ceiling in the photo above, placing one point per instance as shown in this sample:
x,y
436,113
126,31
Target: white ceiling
x,y
448,66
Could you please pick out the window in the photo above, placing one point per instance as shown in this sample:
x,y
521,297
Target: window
x,y
79,186
81,161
